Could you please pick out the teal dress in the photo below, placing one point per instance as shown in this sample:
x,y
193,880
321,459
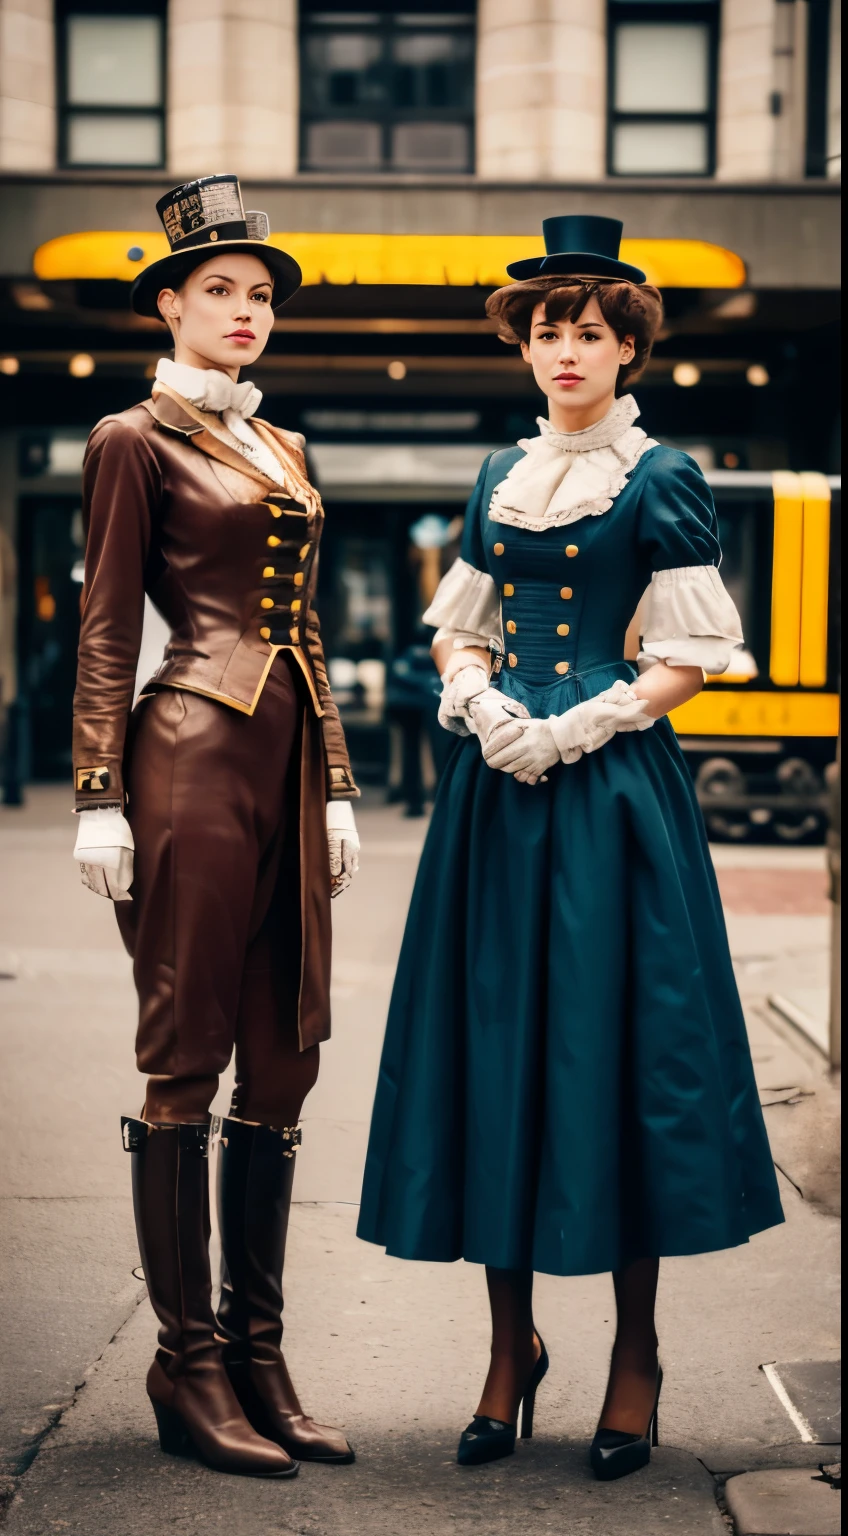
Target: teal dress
x,y
566,1083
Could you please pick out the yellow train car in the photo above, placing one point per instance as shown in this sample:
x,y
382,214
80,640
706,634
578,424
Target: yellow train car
x,y
761,738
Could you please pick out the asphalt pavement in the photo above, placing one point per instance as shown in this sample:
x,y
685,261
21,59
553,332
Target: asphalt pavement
x,y
394,1352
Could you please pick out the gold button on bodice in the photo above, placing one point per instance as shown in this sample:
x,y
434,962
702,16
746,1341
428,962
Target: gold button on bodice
x,y
267,602
513,660
571,550
296,605
499,549
509,589
512,627
268,572
276,512
565,592
272,541
563,629
298,578
265,633
561,666
305,551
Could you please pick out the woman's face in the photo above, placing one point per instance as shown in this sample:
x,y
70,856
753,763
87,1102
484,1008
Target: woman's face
x,y
221,317
576,362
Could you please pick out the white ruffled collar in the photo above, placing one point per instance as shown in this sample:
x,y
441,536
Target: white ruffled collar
x,y
209,389
564,476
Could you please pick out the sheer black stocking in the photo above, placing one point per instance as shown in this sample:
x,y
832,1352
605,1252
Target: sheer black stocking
x,y
633,1369
515,1344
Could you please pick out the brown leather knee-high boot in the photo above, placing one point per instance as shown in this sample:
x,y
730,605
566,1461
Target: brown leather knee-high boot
x,y
195,1406
255,1178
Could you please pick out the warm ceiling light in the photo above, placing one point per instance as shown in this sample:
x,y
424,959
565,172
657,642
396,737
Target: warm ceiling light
x,y
686,374
10,366
396,370
81,366
757,375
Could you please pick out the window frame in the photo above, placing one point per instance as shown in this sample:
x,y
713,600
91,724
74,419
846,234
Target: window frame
x,y
670,12
385,29
67,110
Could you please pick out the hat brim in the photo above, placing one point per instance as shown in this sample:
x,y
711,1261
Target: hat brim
x,y
571,263
148,285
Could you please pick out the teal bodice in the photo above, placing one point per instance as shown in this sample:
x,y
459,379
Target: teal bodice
x,y
568,594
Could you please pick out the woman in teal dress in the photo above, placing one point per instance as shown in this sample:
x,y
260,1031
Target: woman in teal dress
x,y
566,1084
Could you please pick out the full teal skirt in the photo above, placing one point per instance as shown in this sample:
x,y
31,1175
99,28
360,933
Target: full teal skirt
x,y
566,1083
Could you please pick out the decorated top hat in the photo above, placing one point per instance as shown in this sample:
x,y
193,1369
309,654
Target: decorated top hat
x,y
578,243
200,218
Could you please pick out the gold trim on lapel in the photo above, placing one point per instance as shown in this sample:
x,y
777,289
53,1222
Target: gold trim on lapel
x,y
201,435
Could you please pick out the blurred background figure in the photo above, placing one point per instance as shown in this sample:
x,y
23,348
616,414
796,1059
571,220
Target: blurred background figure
x,y
402,157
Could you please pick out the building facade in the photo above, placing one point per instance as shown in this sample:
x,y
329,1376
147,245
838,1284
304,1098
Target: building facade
x,y
404,154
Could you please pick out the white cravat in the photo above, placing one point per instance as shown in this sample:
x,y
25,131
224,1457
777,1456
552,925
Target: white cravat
x,y
215,392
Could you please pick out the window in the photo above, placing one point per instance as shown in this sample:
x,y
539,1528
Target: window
x,y
662,88
112,73
387,91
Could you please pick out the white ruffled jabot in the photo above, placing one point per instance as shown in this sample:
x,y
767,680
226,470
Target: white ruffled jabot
x,y
568,475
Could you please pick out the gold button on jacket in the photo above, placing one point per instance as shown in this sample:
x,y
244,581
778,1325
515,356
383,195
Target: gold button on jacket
x,y
509,589
571,550
511,627
499,549
563,629
565,592
513,660
562,666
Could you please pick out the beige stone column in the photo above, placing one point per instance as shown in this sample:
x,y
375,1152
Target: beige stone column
x,y
541,90
27,86
232,87
745,83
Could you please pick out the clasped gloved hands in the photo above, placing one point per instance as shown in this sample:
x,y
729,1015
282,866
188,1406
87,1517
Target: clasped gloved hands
x,y
104,849
534,746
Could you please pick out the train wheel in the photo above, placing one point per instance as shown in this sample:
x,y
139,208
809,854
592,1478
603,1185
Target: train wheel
x,y
797,777
721,779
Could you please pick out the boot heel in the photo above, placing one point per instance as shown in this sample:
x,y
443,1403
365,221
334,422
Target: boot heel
x,y
655,1429
174,1438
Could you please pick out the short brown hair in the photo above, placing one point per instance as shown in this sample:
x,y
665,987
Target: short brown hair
x,y
629,309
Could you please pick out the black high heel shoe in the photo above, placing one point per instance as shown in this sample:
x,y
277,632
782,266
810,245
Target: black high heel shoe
x,y
487,1439
615,1454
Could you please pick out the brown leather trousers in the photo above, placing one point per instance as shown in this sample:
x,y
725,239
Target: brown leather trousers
x,y
213,802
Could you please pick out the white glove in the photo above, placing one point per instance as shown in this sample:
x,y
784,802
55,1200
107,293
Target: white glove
x,y
343,840
104,849
590,725
525,752
488,712
457,693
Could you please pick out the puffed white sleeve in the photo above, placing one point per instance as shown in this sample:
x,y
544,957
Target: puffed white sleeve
x,y
686,617
466,608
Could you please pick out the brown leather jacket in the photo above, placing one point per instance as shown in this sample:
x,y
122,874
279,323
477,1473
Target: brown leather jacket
x,y
228,558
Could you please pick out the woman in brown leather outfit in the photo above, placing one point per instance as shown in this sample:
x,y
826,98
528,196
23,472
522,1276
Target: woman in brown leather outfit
x,y
223,788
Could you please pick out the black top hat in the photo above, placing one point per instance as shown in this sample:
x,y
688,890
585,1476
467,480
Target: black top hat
x,y
578,242
199,218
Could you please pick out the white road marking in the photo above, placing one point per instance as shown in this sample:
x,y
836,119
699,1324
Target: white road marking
x,y
804,1429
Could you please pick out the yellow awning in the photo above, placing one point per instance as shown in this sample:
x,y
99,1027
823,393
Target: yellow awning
x,y
431,260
